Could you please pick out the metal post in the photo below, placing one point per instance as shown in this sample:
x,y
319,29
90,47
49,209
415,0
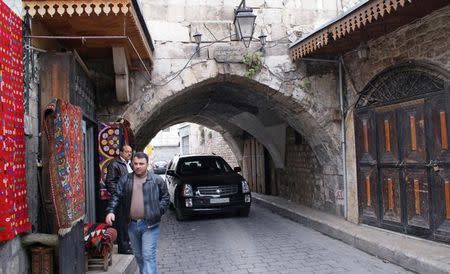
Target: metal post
x,y
343,137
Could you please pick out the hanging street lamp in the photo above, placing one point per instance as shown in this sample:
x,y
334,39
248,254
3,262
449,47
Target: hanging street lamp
x,y
198,39
244,21
262,39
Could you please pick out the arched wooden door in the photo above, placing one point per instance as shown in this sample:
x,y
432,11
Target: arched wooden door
x,y
402,139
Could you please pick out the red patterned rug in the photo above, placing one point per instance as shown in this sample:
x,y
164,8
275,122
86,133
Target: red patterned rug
x,y
65,138
14,217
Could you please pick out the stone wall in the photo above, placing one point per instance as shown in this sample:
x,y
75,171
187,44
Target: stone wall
x,y
303,181
164,153
176,20
13,258
425,40
215,143
205,140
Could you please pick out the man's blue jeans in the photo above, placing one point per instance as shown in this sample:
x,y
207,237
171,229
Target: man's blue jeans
x,y
143,242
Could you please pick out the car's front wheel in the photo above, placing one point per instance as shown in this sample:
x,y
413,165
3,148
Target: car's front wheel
x,y
244,212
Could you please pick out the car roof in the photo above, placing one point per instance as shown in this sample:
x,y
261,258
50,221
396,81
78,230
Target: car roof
x,y
197,155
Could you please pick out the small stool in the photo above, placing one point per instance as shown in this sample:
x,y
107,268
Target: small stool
x,y
98,262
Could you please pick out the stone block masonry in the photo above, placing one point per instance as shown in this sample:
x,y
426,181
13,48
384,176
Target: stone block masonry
x,y
13,258
303,181
424,40
211,141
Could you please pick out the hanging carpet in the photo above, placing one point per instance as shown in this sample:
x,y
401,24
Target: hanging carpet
x,y
62,123
14,218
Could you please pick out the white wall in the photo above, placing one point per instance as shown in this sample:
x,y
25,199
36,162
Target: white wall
x,y
15,5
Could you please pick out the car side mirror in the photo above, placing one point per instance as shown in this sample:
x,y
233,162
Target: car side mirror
x,y
237,169
170,172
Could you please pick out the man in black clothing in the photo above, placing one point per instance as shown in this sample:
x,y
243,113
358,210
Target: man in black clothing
x,y
118,168
145,199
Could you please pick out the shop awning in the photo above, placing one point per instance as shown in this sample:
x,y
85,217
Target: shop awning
x,y
367,21
93,28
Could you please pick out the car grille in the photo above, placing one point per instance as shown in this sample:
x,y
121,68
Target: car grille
x,y
212,190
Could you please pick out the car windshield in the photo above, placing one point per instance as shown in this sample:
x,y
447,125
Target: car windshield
x,y
160,164
202,165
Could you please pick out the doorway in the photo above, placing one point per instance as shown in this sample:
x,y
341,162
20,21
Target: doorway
x,y
403,153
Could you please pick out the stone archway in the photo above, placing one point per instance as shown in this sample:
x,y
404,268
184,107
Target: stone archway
x,y
279,99
200,91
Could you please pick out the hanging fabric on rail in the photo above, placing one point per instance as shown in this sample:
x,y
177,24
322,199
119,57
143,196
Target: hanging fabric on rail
x,y
14,218
62,124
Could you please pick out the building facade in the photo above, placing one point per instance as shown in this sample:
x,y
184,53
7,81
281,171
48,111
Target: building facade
x,y
396,93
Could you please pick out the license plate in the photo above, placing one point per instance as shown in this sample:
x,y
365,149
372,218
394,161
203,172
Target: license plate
x,y
219,200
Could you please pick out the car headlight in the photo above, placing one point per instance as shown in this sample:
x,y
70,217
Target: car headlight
x,y
187,190
245,188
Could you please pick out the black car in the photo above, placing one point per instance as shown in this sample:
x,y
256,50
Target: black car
x,y
200,184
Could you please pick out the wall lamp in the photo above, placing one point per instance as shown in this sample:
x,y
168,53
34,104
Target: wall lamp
x,y
262,39
244,21
198,39
363,51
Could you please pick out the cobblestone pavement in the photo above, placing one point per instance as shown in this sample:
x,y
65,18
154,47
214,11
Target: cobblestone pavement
x,y
261,243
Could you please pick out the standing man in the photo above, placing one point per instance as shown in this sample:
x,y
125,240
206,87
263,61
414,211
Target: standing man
x,y
145,198
118,168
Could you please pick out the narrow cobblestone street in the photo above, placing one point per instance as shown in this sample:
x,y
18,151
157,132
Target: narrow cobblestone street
x,y
262,243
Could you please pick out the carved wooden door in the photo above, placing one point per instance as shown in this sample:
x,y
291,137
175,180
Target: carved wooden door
x,y
395,167
403,158
438,112
404,166
367,166
414,168
389,185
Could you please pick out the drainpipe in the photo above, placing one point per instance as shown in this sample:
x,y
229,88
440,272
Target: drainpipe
x,y
343,137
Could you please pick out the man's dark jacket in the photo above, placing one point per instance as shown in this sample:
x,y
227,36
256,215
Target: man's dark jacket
x,y
116,169
156,197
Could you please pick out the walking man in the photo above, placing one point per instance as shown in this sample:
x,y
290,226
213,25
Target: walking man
x,y
116,169
145,198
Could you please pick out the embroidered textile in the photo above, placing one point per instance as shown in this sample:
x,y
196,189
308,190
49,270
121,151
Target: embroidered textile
x,y
14,217
65,138
110,137
99,239
108,147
